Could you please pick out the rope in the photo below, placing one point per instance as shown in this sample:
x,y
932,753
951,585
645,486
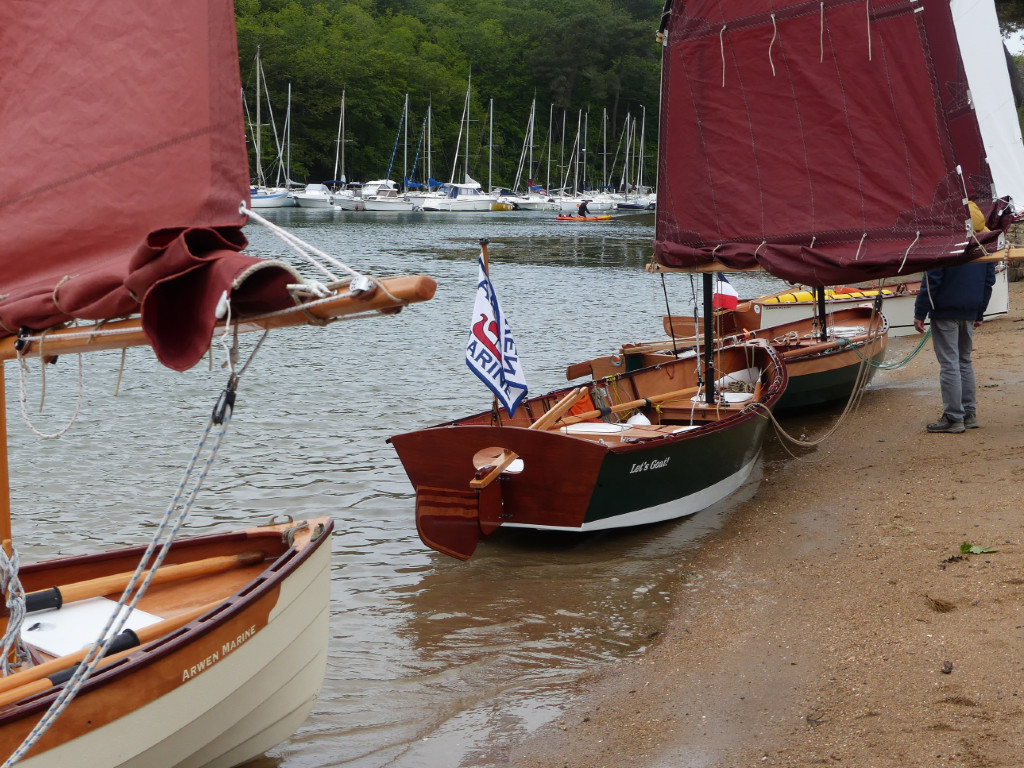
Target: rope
x,y
867,13
905,255
721,44
859,387
10,584
892,366
775,32
156,551
23,393
821,33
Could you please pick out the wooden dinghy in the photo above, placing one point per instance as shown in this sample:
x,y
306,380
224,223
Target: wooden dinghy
x,y
824,368
226,660
641,447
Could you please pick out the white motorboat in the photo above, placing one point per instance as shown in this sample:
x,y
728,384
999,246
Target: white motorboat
x,y
314,196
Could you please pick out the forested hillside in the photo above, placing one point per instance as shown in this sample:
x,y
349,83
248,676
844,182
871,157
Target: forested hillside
x,y
593,57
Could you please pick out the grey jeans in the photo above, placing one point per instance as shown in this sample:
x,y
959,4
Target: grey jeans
x,y
953,341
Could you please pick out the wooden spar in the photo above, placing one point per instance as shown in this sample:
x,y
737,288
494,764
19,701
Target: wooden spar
x,y
1010,253
6,536
34,679
391,294
483,250
546,420
55,597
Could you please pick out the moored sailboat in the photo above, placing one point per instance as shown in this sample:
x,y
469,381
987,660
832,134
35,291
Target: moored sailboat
x,y
642,447
225,638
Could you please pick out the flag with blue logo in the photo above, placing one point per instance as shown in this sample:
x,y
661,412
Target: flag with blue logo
x,y
491,351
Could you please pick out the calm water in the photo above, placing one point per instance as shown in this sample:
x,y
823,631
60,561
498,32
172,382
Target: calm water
x,y
433,663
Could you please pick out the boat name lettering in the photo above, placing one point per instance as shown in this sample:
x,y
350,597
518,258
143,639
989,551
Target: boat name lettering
x,y
643,466
216,656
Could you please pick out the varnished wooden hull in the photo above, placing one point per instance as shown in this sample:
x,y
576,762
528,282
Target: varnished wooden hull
x,y
221,690
570,482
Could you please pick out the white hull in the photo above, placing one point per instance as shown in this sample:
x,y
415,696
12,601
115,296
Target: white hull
x,y
538,204
387,204
482,203
898,309
313,202
237,708
270,200
349,203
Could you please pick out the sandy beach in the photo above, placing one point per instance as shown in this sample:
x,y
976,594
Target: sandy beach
x,y
835,621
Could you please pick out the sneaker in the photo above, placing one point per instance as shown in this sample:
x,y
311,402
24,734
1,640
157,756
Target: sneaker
x,y
946,424
971,421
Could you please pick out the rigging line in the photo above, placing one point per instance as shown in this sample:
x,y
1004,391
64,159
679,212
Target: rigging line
x,y
668,311
298,244
775,33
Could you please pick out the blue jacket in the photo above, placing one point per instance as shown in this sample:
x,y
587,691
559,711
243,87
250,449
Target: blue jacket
x,y
955,293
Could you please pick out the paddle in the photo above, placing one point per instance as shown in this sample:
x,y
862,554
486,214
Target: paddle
x,y
44,676
548,418
55,597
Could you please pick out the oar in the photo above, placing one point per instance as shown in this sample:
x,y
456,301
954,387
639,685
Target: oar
x,y
44,676
55,597
633,404
548,418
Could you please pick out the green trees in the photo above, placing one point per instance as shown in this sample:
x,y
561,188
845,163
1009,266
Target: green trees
x,y
576,54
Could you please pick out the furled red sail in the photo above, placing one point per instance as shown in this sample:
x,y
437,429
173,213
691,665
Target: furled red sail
x,y
827,142
124,169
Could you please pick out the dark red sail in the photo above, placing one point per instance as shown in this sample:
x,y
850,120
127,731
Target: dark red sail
x,y
820,141
124,169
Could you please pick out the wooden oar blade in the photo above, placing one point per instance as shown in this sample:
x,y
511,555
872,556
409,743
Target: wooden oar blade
x,y
448,520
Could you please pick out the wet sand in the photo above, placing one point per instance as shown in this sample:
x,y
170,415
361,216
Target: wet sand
x,y
834,621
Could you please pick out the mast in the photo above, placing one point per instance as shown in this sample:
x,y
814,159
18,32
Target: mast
x,y
259,128
463,122
533,116
465,165
551,120
640,159
709,339
339,143
604,146
288,141
490,145
405,149
430,169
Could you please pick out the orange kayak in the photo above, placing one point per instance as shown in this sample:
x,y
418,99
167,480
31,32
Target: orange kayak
x,y
583,218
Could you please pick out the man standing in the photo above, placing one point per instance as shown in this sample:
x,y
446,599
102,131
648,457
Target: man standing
x,y
955,298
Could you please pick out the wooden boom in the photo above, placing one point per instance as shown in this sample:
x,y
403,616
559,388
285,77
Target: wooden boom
x,y
388,294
